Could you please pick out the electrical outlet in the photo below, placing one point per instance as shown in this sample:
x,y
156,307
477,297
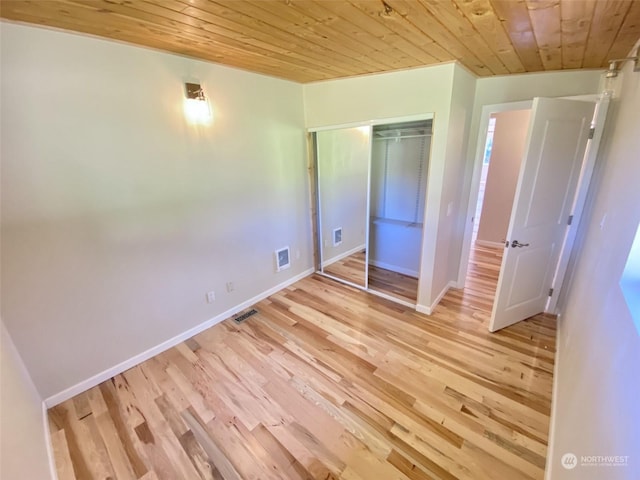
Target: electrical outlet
x,y
230,287
211,297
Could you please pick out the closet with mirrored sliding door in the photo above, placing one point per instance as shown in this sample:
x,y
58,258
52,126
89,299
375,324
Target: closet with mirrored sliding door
x,y
371,183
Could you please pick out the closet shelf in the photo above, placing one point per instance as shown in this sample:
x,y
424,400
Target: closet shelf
x,y
391,221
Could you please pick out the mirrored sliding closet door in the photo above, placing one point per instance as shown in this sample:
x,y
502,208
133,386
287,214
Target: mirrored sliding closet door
x,y
342,167
371,194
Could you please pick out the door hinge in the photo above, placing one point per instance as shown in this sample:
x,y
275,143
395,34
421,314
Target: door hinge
x,y
570,221
550,292
592,131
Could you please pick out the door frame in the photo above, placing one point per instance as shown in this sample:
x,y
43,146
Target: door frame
x,y
602,102
487,111
375,121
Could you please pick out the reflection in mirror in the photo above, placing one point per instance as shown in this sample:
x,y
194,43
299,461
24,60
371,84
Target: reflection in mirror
x,y
343,174
399,160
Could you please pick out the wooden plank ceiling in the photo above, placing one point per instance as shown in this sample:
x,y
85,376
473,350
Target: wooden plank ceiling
x,y
310,40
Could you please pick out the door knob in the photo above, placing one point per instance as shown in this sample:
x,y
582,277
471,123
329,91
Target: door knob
x,y
516,243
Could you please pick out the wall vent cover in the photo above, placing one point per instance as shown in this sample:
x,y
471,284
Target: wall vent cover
x,y
243,316
337,236
283,259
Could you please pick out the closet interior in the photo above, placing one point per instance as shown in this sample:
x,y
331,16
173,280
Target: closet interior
x,y
399,157
371,185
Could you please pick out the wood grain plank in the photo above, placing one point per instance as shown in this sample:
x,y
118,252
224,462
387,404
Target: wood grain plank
x,y
259,33
216,456
426,22
156,431
451,17
312,22
334,28
120,421
575,21
628,34
545,20
205,31
515,17
362,27
418,44
63,417
121,465
61,453
484,19
205,466
608,18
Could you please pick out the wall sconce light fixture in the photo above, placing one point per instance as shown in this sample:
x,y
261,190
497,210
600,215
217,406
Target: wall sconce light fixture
x,y
615,65
196,105
610,80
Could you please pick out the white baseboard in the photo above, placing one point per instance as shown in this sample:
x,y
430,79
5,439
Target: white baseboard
x,y
337,258
487,243
97,379
47,438
423,309
394,268
392,298
548,470
429,310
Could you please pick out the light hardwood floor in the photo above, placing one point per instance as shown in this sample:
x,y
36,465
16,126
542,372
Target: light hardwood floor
x,y
395,284
352,269
327,382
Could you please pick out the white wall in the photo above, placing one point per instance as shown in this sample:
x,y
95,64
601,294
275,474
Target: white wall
x,y
23,440
504,166
387,95
451,209
515,88
399,178
118,216
395,246
598,361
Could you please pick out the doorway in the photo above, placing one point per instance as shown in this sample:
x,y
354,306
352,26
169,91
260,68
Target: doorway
x,y
488,146
504,146
551,172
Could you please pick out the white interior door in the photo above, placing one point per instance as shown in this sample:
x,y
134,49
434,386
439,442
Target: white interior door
x,y
557,139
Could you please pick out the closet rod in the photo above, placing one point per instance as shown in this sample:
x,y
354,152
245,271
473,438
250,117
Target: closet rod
x,y
402,136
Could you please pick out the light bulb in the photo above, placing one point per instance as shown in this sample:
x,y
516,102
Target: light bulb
x,y
197,111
